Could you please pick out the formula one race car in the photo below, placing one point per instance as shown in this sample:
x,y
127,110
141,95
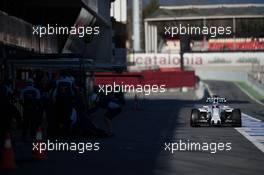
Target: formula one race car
x,y
216,113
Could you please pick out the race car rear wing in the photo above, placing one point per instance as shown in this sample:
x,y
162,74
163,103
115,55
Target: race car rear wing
x,y
216,100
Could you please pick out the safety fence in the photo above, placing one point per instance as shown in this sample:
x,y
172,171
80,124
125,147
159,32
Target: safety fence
x,y
257,73
256,78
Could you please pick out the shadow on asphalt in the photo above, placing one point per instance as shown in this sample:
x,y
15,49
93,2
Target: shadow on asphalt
x,y
135,148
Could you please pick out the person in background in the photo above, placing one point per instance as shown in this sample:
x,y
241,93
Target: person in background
x,y
32,114
7,89
9,113
63,100
113,108
94,100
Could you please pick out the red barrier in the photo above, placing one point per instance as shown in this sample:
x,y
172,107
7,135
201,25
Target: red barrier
x,y
172,79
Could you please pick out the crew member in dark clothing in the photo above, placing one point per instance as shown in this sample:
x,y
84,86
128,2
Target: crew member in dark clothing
x,y
113,109
32,113
63,97
9,113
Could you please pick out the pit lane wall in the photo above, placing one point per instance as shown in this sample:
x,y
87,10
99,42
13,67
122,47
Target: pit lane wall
x,y
175,79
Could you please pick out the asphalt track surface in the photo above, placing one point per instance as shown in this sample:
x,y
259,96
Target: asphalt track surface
x,y
237,98
138,145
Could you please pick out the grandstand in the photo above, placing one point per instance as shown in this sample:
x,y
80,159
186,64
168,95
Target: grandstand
x,y
246,21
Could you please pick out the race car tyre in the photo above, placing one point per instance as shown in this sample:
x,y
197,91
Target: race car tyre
x,y
195,115
236,117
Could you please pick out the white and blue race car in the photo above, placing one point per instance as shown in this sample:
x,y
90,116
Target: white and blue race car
x,y
215,113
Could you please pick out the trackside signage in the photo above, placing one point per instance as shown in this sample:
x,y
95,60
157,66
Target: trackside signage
x,y
196,59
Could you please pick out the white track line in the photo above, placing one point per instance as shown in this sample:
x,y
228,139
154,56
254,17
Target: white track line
x,y
248,116
253,130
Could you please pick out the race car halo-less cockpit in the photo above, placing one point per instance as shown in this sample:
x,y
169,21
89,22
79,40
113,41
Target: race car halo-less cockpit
x,y
215,113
